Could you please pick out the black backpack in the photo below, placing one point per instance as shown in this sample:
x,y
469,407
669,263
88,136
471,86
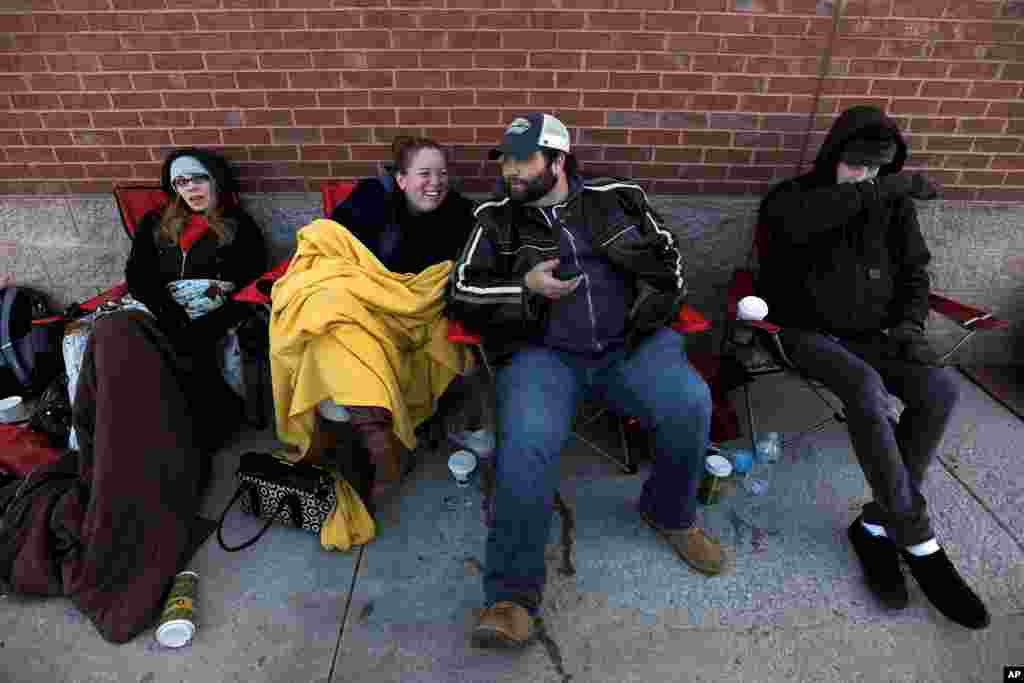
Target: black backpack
x,y
29,354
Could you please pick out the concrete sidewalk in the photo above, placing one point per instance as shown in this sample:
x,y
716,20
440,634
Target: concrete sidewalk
x,y
792,605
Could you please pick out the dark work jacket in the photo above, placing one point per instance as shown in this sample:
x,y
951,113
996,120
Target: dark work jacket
x,y
153,264
377,214
629,254
838,258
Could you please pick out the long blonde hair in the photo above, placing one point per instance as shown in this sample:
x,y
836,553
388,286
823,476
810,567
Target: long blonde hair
x,y
177,214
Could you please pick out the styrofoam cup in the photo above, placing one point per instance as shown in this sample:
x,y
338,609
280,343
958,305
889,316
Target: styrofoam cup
x,y
461,464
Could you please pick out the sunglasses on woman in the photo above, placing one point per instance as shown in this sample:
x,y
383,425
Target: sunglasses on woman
x,y
183,181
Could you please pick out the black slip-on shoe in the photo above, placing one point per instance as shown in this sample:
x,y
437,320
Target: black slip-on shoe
x,y
880,559
946,589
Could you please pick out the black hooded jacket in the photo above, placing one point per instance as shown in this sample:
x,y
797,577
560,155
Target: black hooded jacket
x,y
153,264
841,259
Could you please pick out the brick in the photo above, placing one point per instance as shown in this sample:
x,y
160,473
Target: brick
x,y
846,86
197,136
682,119
91,101
490,117
784,122
996,91
558,21
615,21
320,152
687,82
603,136
792,85
36,101
110,81
362,117
932,125
448,98
16,63
1008,161
693,43
608,100
628,154
169,21
209,81
147,137
1013,72
80,63
726,23
613,61
55,82
339,60
671,21
971,161
11,84
504,98
445,20
179,61
742,84
423,117
343,98
500,20
76,154
138,5
122,154
116,119
246,136
389,19
346,134
583,80
30,154
529,40
658,138
550,60
269,117
421,79
982,126
474,79
956,50
750,45
974,70
395,98
998,144
296,136
419,40
764,103
260,80
634,81
548,100
963,108
315,40
51,23
278,20
874,67
227,61
109,138
446,60
353,169
291,98
790,26
775,65
149,42
507,60
166,118
227,21
473,40
905,106
982,178
583,40
664,62
256,40
40,43
898,87
665,101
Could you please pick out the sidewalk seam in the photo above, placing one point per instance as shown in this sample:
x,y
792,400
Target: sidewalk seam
x,y
344,616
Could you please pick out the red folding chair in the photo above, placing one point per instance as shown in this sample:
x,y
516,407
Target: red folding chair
x,y
968,318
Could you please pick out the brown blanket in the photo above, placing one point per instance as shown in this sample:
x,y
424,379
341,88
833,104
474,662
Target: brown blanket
x,y
113,534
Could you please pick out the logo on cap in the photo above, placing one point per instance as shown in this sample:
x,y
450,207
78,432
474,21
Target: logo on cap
x,y
518,127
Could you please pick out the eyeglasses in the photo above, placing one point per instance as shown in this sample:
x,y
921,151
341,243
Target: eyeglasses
x,y
183,181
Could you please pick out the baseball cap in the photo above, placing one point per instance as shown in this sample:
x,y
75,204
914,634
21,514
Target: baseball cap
x,y
527,134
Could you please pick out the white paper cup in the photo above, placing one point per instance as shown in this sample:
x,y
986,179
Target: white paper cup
x,y
461,464
751,308
13,409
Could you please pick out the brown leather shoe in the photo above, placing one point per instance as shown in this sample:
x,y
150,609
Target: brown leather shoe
x,y
503,625
693,545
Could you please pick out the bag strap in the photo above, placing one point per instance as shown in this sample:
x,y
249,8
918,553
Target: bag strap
x,y
290,499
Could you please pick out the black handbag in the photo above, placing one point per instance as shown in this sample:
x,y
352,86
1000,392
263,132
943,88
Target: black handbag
x,y
299,495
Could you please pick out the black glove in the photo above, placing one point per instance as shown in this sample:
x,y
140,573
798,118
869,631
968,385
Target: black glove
x,y
906,184
907,342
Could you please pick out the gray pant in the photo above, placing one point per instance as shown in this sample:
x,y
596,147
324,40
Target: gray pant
x,y
893,456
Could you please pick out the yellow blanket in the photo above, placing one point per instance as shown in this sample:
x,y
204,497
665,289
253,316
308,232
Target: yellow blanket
x,y
345,328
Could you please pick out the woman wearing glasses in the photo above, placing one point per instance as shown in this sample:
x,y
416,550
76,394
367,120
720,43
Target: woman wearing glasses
x,y
151,405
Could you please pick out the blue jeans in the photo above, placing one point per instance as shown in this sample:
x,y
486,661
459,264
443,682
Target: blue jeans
x,y
536,395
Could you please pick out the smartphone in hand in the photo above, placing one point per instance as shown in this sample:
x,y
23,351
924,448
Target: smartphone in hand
x,y
567,272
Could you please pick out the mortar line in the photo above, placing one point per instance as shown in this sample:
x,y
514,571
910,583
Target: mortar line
x,y
344,615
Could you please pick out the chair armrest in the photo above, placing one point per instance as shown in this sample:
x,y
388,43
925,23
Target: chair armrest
x,y
742,285
690,320
967,317
458,334
258,291
763,325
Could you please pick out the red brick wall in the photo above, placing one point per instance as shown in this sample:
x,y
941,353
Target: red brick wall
x,y
686,95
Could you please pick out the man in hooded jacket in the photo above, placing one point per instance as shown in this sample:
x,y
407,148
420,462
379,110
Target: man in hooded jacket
x,y
844,271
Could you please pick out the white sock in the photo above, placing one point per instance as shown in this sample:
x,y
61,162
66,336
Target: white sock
x,y
874,529
331,411
921,549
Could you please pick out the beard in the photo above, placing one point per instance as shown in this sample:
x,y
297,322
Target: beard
x,y
536,187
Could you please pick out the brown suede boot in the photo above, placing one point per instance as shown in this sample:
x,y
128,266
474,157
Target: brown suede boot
x,y
503,625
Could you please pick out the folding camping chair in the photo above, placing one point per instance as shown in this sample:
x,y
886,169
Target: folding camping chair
x,y
968,318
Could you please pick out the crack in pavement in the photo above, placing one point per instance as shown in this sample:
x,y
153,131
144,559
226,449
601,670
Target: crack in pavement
x,y
568,534
552,649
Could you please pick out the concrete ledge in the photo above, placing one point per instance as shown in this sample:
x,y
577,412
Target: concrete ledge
x,y
73,246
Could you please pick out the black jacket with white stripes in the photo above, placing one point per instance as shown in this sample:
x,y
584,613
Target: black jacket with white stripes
x,y
487,292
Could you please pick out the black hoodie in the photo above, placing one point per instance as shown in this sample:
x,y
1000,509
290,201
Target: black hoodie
x,y
838,258
152,264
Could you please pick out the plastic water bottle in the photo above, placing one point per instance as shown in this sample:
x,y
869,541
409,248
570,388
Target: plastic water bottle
x,y
768,452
